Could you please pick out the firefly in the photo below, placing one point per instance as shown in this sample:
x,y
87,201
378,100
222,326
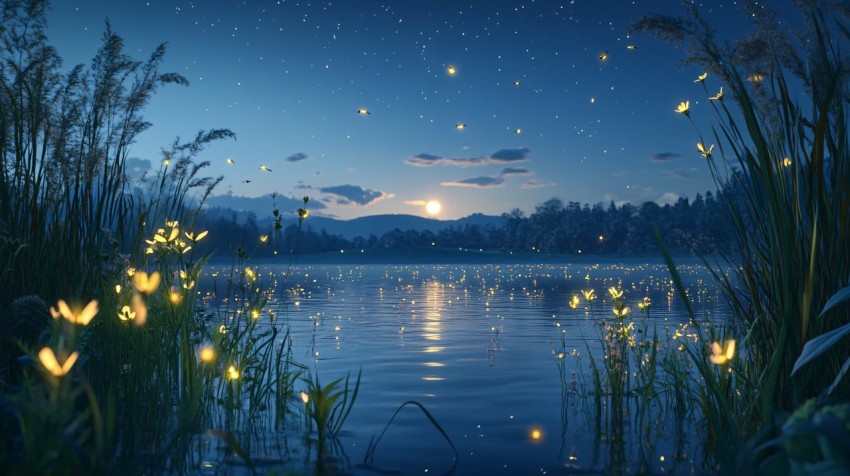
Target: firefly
x,y
451,70
517,131
603,56
230,161
631,47
517,83
363,112
460,126
265,169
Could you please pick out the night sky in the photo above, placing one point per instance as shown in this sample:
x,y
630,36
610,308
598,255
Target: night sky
x,y
544,116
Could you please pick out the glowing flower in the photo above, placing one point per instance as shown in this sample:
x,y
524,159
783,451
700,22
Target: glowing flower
x,y
701,78
222,329
305,397
195,239
174,296
683,108
250,274
615,293
126,314
621,313
140,309
303,213
706,153
574,302
786,162
82,317
755,78
589,295
131,272
146,283
264,238
117,289
645,304
718,96
207,355
48,360
233,373
718,355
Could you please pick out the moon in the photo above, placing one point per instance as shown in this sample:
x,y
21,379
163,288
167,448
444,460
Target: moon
x,y
433,207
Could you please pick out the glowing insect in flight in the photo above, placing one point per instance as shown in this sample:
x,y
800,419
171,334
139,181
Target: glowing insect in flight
x,y
603,56
230,161
517,83
265,169
631,47
451,70
363,112
705,152
517,131
460,126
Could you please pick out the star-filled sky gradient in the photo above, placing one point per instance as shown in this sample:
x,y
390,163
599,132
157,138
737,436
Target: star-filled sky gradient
x,y
359,104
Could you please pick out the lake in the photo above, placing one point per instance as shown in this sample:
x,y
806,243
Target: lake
x,y
476,345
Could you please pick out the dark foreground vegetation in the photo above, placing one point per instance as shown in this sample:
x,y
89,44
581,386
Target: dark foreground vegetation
x,y
94,275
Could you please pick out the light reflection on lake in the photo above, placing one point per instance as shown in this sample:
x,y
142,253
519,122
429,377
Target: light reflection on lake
x,y
474,344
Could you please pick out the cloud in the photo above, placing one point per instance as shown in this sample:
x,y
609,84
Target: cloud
x,y
510,171
136,168
534,183
297,157
639,195
677,174
503,156
416,203
664,157
667,198
261,206
353,194
479,182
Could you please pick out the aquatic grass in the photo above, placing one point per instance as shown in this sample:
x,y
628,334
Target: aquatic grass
x,y
327,407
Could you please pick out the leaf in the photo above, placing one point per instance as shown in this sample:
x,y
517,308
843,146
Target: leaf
x,y
820,344
838,377
841,295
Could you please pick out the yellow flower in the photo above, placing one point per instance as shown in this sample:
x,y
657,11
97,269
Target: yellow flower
x,y
264,238
755,78
149,251
303,213
171,224
195,239
131,272
615,293
146,283
250,274
233,373
222,329
589,295
683,107
718,355
645,304
701,78
126,314
82,317
48,360
304,396
718,96
207,355
705,152
117,289
574,302
174,296
621,313
140,309
786,162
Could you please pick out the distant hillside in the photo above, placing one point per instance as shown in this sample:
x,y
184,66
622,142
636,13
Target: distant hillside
x,y
369,225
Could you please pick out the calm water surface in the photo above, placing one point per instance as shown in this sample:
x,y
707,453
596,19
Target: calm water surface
x,y
474,344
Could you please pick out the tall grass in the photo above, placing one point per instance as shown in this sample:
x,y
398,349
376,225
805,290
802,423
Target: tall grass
x,y
784,166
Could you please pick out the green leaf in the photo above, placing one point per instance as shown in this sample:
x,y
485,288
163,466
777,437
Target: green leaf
x,y
840,296
819,345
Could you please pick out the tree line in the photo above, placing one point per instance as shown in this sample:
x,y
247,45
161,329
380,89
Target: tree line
x,y
553,227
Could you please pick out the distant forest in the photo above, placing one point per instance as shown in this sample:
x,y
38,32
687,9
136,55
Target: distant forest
x,y
553,227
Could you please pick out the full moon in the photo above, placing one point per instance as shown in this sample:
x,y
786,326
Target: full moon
x,y
433,207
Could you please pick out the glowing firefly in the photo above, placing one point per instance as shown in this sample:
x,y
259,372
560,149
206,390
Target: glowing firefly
x,y
363,112
603,56
631,47
517,83
265,169
517,131
230,161
460,126
451,70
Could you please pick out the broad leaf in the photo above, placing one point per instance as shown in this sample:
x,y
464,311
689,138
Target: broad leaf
x,y
820,344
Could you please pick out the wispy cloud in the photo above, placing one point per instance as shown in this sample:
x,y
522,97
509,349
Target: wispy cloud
x,y
535,183
353,195
677,174
415,203
511,171
502,156
664,157
261,205
297,157
477,182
